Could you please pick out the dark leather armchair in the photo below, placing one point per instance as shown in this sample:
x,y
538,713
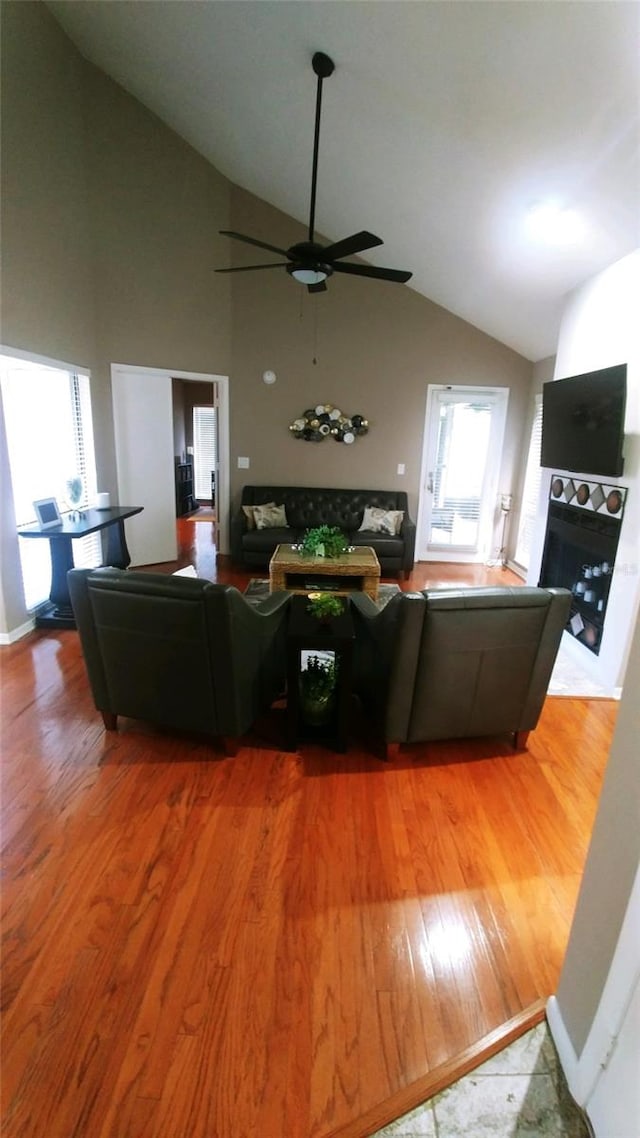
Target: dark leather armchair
x,y
455,663
178,651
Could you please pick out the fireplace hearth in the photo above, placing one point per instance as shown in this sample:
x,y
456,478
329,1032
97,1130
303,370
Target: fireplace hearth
x,y
583,529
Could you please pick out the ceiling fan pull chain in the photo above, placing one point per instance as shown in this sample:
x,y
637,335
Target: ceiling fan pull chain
x,y
315,331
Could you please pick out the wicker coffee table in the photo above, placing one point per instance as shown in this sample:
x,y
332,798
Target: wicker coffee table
x,y
357,571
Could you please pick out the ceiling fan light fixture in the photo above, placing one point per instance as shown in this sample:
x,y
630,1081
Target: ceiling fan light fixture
x,y
309,262
308,276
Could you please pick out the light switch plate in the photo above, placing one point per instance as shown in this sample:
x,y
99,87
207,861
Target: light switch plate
x,y
243,463
401,468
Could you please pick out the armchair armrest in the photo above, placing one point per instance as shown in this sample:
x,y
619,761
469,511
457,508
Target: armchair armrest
x,y
408,534
385,658
237,529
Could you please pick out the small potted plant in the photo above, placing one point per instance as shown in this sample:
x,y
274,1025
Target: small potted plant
x,y
317,690
324,606
324,541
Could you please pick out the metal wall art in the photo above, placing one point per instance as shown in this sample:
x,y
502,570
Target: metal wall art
x,y
326,421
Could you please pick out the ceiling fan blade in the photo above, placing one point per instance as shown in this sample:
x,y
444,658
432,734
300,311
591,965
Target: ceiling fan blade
x,y
320,287
372,271
357,243
250,268
252,241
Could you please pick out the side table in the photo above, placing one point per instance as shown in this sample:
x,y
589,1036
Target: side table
x,y
304,633
58,613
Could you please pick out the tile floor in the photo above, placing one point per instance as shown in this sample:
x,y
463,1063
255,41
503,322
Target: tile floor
x,y
519,1093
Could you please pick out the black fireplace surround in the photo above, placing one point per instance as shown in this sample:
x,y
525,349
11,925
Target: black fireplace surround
x,y
583,529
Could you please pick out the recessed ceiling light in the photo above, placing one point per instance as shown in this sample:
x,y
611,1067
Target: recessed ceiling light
x,y
553,224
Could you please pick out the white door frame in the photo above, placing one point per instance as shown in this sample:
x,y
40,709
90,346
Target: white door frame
x,y
421,538
222,381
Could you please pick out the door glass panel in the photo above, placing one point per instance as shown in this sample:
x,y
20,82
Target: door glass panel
x,y
462,451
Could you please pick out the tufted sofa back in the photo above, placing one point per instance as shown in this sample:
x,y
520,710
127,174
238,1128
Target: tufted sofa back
x,y
308,506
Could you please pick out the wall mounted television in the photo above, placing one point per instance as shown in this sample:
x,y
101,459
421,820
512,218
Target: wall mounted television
x,y
583,422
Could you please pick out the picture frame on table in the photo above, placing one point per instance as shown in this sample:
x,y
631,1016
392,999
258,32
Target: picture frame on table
x,y
47,513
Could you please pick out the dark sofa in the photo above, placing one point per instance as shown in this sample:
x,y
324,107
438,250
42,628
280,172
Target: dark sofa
x,y
309,506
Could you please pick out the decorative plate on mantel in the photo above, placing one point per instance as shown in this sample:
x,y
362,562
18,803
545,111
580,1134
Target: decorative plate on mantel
x,y
598,497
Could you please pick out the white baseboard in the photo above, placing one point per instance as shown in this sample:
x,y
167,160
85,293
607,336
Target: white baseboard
x,y
17,633
564,1047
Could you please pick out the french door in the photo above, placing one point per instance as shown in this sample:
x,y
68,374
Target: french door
x,y
461,463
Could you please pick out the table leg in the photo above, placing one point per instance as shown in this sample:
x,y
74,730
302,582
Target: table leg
x,y
61,562
344,696
58,612
117,553
293,698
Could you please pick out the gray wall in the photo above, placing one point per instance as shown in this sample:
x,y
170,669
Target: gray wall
x,y
110,235
377,346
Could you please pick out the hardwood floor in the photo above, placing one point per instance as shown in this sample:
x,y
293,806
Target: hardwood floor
x,y
275,945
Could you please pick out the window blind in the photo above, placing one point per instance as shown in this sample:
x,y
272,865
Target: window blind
x,y
205,435
49,430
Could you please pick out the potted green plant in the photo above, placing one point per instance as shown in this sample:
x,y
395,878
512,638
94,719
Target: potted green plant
x,y
317,690
324,541
323,606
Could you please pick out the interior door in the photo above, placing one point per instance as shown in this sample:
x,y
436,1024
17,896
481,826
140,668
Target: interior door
x,y
463,445
142,418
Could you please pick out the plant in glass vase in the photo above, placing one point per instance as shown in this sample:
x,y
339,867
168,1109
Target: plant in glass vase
x,y
73,492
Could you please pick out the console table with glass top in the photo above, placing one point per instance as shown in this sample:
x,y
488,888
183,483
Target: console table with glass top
x,y
58,612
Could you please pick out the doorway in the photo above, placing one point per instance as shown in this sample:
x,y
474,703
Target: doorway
x,y
464,432
146,450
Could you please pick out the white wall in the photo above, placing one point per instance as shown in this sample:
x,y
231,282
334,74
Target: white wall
x,y
588,1016
599,328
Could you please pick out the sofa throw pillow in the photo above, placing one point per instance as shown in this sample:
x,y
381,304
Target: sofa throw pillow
x,y
270,517
376,520
248,512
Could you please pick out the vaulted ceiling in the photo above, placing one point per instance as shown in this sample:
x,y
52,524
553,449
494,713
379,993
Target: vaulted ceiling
x,y
444,123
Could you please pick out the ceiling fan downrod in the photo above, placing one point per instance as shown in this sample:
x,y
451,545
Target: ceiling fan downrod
x,y
323,67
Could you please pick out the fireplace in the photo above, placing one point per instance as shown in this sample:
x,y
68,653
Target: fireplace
x,y
581,540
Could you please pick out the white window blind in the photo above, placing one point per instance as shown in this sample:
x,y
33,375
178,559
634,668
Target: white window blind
x,y
47,413
204,449
529,508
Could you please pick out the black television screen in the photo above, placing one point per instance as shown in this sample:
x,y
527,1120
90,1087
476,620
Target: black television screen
x,y
583,422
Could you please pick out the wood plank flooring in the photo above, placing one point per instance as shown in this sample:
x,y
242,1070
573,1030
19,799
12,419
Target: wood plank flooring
x,y
275,945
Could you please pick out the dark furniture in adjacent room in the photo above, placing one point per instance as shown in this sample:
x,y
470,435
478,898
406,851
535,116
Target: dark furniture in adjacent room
x,y
58,613
179,651
185,499
309,506
457,663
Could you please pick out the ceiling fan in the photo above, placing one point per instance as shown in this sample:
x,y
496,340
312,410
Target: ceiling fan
x,y
309,262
